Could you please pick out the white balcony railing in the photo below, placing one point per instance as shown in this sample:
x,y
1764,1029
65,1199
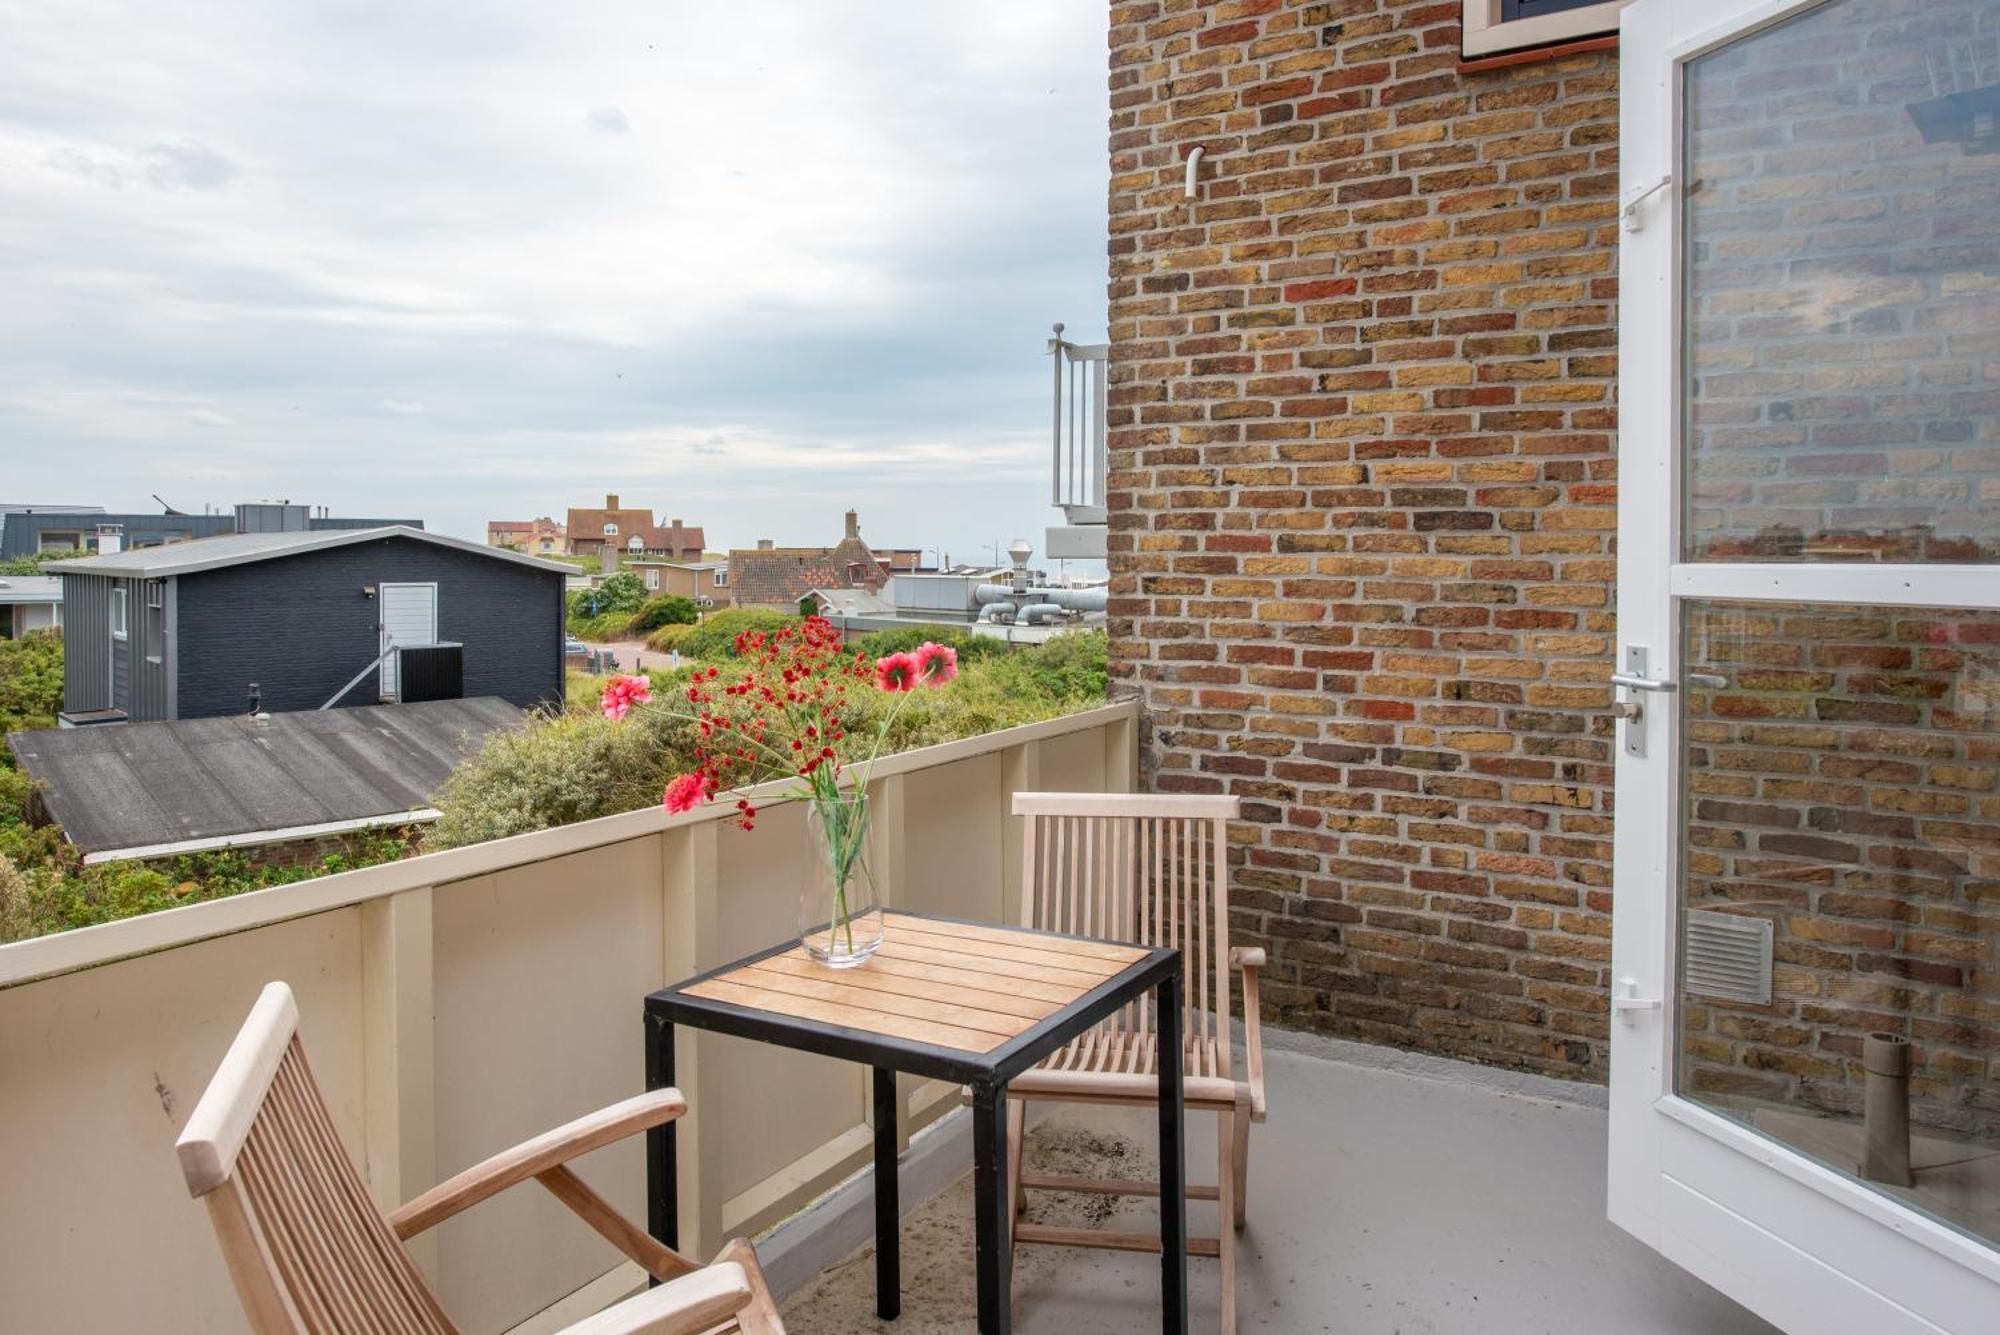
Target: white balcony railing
x,y
457,1003
1079,428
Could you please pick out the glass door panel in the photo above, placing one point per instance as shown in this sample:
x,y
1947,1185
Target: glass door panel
x,y
1840,935
1841,274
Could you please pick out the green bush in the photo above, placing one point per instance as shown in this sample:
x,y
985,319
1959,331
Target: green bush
x,y
575,767
716,637
623,592
47,894
665,609
600,628
902,639
32,564
31,684
583,765
669,638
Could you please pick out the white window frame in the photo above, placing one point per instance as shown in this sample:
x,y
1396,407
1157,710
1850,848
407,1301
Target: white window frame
x,y
610,530
1483,32
722,579
121,614
652,578
1804,1246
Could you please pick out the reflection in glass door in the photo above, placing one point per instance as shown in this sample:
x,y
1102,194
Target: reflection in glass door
x,y
1839,950
1841,888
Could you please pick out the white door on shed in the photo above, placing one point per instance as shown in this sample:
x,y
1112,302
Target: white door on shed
x,y
409,619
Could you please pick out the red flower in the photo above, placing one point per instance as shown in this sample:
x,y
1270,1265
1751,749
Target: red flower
x,y
897,672
936,663
687,792
621,693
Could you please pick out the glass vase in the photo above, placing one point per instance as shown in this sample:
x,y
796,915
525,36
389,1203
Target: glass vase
x,y
840,921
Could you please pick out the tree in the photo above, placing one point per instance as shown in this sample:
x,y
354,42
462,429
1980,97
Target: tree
x,y
622,592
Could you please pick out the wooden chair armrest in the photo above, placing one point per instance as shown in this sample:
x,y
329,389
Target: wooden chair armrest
x,y
1250,959
690,1304
532,1158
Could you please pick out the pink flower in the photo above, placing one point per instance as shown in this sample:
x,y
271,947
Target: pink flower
x,y
897,672
687,792
936,663
621,693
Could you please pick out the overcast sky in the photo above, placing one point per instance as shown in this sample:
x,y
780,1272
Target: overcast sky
x,y
746,264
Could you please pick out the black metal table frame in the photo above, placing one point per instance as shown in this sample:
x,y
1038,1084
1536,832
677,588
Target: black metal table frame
x,y
987,1074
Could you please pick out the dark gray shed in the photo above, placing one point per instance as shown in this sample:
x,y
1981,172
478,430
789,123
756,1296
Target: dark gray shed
x,y
294,620
157,789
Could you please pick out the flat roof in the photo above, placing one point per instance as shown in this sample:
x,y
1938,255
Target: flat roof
x,y
30,589
230,549
119,787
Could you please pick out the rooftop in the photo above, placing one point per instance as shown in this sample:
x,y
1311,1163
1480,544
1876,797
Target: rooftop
x,y
118,790
186,558
30,589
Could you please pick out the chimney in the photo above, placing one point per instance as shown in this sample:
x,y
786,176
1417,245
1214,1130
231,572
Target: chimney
x,y
676,524
611,501
765,544
853,524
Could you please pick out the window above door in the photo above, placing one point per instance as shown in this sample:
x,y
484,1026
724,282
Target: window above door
x,y
1494,27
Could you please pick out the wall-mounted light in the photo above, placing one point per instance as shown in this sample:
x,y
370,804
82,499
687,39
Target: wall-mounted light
x,y
367,590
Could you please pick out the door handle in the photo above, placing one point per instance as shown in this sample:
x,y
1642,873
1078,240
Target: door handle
x,y
1626,1002
1632,683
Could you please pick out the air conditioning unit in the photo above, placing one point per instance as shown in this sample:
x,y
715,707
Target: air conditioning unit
x,y
430,672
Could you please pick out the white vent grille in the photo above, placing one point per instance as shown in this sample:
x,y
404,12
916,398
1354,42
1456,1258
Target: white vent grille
x,y
1728,956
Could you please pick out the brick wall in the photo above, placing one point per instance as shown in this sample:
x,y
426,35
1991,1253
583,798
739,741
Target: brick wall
x,y
1363,499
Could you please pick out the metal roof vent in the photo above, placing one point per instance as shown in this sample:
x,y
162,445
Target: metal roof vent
x,y
1728,955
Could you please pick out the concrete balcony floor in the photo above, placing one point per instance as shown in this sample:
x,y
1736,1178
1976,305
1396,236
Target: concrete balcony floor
x,y
1422,1198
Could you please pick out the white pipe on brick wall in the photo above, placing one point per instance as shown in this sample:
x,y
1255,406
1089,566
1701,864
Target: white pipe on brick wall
x,y
1193,165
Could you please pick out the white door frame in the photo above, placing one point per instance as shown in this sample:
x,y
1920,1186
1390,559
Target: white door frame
x,y
1808,1248
388,669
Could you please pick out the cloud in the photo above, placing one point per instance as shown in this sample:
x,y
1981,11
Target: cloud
x,y
416,286
210,417
185,166
162,166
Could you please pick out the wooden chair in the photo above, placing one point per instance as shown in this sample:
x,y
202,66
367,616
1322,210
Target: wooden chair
x,y
310,1252
1151,870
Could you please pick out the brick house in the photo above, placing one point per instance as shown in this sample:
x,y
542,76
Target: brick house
x,y
538,537
1363,505
777,577
1361,508
704,582
1362,494
629,530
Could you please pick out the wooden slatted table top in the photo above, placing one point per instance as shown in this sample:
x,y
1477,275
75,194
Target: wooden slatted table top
x,y
961,986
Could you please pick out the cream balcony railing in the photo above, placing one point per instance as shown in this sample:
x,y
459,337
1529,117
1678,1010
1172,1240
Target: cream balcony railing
x,y
459,1002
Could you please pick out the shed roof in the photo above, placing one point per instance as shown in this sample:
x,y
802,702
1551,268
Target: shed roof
x,y
118,788
185,558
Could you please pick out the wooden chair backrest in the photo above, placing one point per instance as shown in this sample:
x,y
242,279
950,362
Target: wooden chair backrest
x,y
1146,868
309,1250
